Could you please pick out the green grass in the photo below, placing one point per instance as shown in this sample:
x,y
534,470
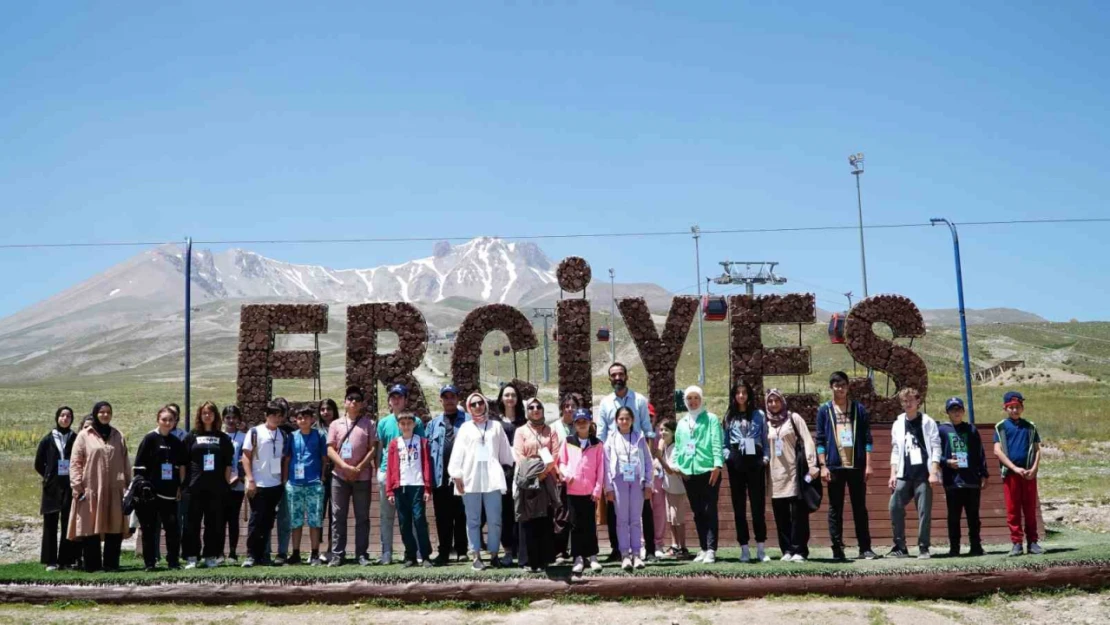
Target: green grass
x,y
1067,547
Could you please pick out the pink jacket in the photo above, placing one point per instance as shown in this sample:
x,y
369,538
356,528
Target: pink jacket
x,y
583,471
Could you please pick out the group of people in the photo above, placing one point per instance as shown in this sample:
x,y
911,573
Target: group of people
x,y
503,481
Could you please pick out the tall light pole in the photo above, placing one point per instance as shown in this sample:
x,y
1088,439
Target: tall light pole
x,y
188,323
856,160
963,317
696,231
849,296
612,316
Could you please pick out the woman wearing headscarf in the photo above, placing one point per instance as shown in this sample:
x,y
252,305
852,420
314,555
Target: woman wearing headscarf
x,y
510,412
98,473
536,445
747,454
52,463
784,428
698,456
481,448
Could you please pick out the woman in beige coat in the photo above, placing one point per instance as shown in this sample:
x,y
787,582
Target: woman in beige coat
x,y
99,474
791,513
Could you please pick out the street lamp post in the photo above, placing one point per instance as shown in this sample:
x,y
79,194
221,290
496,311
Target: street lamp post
x,y
856,160
963,316
696,231
612,317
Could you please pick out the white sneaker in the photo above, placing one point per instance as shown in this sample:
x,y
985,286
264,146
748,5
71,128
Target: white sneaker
x,y
710,557
700,557
798,558
760,555
594,564
191,564
660,554
786,556
579,566
626,564
210,563
638,563
248,562
51,568
643,552
219,560
745,554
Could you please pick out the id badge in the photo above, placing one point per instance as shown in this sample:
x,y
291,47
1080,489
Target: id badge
x,y
209,462
749,446
63,467
298,471
846,438
628,472
545,455
347,451
482,455
275,466
915,456
690,449
167,471
961,459
778,447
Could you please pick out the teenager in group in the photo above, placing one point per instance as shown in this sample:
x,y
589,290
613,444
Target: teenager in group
x,y
449,512
179,433
510,412
582,467
161,459
352,443
305,489
621,397
536,441
388,429
481,449
844,449
99,473
914,468
747,454
408,485
563,428
699,457
675,488
784,431
284,532
964,469
235,428
628,483
266,467
1018,447
52,464
328,412
210,454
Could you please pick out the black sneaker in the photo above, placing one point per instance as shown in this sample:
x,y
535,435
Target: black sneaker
x,y
408,564
898,552
838,554
150,569
977,551
293,559
867,554
954,552
614,556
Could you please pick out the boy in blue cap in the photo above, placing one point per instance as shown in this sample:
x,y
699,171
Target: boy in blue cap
x,y
964,469
388,429
1018,447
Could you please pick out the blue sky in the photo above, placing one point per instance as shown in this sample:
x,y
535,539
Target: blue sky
x,y
279,120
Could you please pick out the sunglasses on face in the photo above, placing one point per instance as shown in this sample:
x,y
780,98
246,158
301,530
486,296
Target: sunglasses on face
x,y
355,400
534,408
474,404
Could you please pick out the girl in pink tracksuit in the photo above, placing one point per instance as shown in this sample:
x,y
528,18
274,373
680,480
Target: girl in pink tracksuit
x,y
582,466
627,482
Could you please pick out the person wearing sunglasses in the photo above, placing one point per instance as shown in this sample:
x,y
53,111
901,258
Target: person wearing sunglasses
x,y
481,448
535,492
352,442
449,513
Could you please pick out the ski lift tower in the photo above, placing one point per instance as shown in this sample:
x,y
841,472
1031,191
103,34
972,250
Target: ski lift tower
x,y
763,273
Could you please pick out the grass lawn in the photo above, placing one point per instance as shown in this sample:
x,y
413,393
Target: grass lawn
x,y
1064,547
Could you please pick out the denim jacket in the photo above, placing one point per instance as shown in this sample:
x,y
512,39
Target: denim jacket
x,y
757,430
437,439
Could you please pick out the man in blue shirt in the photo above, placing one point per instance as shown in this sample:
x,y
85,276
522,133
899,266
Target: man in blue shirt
x,y
305,488
449,512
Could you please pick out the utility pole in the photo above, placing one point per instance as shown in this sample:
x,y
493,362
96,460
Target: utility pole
x,y
856,161
765,274
696,231
188,322
545,313
612,317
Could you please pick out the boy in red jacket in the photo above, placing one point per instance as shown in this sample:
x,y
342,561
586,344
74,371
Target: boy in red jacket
x,y
408,482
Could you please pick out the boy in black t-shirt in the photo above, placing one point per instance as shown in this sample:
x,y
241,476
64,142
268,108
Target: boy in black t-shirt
x,y
964,468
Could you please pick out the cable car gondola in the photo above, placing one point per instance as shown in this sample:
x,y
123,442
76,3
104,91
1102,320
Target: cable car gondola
x,y
603,334
836,328
714,308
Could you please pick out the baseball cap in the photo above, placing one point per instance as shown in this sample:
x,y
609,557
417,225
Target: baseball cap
x,y
399,389
582,413
354,390
448,388
1012,397
954,402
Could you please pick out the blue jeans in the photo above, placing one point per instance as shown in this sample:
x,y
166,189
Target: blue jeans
x,y
414,522
474,502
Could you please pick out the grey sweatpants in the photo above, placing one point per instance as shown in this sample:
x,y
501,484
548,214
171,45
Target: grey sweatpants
x,y
385,521
343,493
921,493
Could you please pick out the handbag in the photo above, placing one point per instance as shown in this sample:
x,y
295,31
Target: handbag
x,y
811,492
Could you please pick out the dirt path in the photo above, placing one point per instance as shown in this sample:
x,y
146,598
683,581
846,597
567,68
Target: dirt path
x,y
1063,610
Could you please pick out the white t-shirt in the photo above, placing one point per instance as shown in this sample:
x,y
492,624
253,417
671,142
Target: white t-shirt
x,y
672,484
266,463
412,465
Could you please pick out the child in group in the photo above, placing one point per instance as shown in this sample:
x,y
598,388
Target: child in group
x,y
265,460
582,465
1018,447
305,488
628,483
964,469
658,495
408,484
675,490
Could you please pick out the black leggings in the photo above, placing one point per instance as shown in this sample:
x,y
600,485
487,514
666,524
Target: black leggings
x,y
747,477
233,507
91,547
154,517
